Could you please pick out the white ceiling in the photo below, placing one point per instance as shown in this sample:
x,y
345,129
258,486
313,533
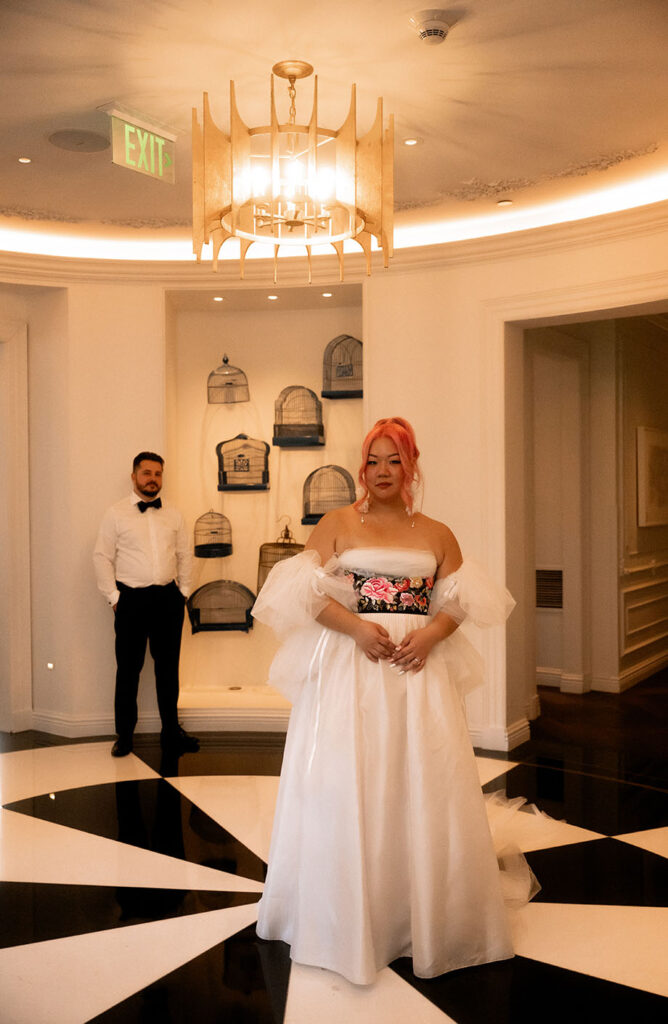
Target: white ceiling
x,y
536,100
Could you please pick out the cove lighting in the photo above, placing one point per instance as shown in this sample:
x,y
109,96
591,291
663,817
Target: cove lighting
x,y
613,199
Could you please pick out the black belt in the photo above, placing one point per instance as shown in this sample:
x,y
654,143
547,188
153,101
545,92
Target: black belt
x,y
151,586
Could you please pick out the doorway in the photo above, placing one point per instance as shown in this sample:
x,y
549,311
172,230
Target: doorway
x,y
599,619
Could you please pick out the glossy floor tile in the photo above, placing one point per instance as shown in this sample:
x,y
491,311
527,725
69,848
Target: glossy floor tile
x,y
129,888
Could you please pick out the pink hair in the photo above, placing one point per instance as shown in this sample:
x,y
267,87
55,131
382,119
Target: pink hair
x,y
402,435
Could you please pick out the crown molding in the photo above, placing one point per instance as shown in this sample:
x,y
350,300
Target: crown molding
x,y
60,271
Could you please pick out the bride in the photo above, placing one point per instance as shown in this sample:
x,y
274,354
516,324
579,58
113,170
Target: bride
x,y
381,846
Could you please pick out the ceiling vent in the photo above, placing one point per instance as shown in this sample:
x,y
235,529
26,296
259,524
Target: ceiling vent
x,y
430,25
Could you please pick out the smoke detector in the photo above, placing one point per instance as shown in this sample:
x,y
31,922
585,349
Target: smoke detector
x,y
430,25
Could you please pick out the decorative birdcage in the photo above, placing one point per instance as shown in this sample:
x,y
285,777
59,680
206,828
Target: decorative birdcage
x,y
221,605
227,384
243,464
298,415
342,368
283,547
213,536
324,489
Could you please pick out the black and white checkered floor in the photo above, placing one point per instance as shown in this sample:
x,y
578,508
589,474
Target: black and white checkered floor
x,y
128,891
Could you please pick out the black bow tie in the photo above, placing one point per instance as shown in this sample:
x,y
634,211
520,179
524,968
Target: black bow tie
x,y
143,505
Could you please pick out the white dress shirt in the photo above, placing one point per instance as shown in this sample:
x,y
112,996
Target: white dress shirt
x,y
141,549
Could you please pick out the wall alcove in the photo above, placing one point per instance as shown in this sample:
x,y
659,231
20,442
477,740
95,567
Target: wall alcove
x,y
279,344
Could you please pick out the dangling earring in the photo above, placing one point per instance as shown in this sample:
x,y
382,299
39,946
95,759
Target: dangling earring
x,y
364,510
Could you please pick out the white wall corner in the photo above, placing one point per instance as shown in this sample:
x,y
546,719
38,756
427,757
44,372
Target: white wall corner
x,y
572,682
533,707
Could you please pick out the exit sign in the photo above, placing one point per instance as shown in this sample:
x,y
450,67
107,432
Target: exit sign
x,y
140,147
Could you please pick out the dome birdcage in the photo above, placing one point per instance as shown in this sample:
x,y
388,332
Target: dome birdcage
x,y
283,547
243,464
221,605
213,536
227,384
324,489
342,368
298,418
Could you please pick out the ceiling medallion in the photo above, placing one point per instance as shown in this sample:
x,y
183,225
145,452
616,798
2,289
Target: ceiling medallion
x,y
292,184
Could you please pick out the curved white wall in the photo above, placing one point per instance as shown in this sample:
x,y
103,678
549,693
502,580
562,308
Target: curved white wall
x,y
438,347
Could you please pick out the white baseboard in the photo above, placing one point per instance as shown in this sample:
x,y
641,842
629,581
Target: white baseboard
x,y
572,682
500,738
199,720
567,682
548,677
638,673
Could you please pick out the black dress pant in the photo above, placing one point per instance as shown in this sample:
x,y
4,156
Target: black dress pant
x,y
153,614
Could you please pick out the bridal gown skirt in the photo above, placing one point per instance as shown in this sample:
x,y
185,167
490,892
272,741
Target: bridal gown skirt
x,y
381,845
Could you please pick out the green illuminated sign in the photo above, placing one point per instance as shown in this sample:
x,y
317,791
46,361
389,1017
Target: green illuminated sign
x,y
140,149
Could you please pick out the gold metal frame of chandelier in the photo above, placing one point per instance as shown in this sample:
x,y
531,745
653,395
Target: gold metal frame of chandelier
x,y
221,163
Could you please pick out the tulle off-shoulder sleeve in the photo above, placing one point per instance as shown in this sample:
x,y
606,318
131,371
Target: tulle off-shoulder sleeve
x,y
470,593
298,589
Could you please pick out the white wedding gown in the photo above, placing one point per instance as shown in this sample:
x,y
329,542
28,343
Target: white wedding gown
x,y
381,845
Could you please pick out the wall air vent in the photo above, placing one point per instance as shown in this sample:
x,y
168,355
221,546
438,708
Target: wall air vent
x,y
549,588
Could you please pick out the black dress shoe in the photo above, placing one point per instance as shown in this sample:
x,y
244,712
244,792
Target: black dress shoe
x,y
179,742
121,748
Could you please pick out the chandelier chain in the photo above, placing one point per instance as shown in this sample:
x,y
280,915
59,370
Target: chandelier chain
x,y
292,92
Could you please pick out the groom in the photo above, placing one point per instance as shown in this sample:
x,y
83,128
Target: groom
x,y
143,567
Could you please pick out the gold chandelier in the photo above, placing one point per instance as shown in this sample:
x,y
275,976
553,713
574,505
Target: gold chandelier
x,y
292,184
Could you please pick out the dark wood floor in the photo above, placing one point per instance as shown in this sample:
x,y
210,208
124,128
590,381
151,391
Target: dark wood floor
x,y
614,734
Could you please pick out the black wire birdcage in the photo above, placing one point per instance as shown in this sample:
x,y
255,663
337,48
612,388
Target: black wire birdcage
x,y
342,368
227,384
324,489
213,536
283,547
298,419
243,464
221,605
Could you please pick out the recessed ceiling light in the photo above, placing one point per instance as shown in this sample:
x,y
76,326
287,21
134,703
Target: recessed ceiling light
x,y
272,297
326,295
412,141
218,298
25,160
504,202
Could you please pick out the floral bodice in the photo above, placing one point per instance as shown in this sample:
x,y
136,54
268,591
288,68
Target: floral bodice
x,y
409,595
389,579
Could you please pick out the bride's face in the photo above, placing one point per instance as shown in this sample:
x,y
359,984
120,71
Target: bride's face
x,y
384,472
